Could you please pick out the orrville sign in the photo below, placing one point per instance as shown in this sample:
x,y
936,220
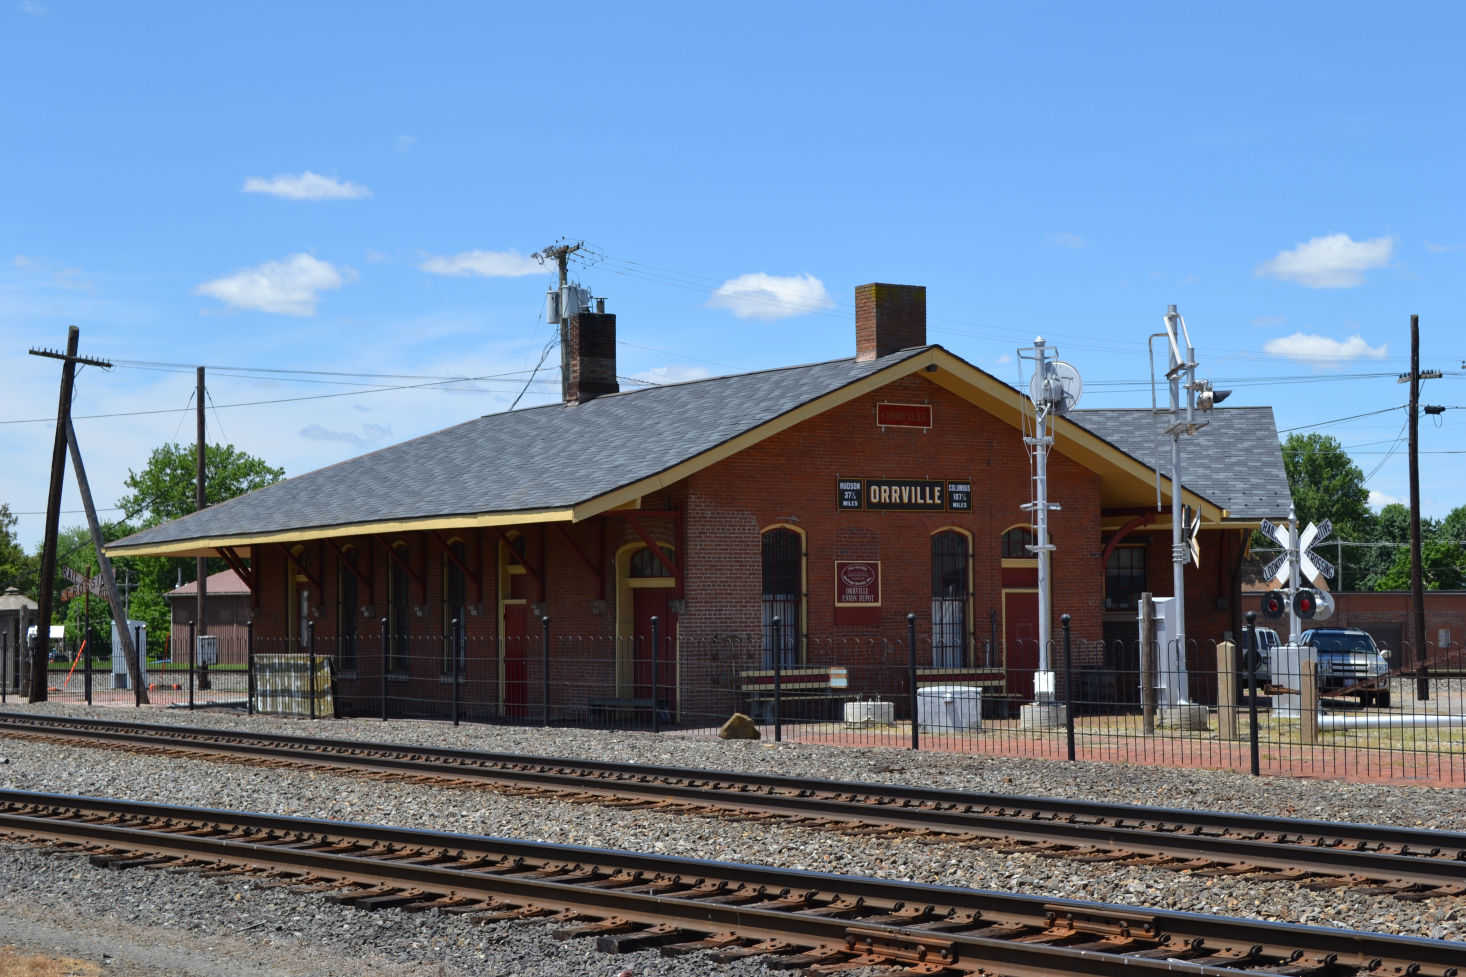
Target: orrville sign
x,y
915,494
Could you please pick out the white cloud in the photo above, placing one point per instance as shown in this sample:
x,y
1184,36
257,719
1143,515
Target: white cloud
x,y
306,186
1332,261
370,434
286,287
1311,348
1378,500
674,373
1004,359
485,264
31,7
761,296
1067,239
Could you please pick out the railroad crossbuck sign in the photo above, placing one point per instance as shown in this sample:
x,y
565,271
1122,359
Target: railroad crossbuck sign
x,y
1311,566
80,584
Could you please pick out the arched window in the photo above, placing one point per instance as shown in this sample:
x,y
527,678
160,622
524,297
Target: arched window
x,y
1016,542
453,601
783,593
646,564
346,604
399,608
949,599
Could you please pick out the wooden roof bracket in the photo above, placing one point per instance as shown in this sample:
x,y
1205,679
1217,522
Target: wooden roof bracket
x,y
290,558
453,557
237,565
1123,531
667,562
599,572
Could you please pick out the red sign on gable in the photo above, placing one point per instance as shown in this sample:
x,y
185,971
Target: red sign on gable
x,y
857,583
904,415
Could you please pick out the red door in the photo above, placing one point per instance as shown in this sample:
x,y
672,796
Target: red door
x,y
1020,634
516,661
652,602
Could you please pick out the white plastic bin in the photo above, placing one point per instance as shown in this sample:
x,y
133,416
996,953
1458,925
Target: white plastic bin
x,y
949,707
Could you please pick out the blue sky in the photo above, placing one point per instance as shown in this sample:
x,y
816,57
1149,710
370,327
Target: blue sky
x,y
354,188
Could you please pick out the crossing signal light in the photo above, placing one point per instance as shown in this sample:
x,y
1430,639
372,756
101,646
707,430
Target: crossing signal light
x,y
1272,605
1305,603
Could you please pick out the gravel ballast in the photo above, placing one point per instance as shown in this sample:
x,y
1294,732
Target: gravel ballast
x,y
237,916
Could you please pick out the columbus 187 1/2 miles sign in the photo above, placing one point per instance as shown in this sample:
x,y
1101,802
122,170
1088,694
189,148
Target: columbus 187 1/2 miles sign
x,y
910,494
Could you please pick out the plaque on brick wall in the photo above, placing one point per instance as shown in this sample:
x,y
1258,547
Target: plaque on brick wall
x,y
847,492
904,415
959,496
857,583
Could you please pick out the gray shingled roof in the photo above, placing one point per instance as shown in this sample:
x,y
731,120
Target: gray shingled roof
x,y
539,458
1235,461
559,455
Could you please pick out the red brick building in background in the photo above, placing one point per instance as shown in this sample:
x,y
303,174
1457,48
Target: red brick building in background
x,y
836,496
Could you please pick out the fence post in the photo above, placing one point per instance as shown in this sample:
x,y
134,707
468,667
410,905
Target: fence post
x,y
545,664
5,664
911,676
385,652
1147,665
249,661
1068,686
656,646
1227,690
86,648
142,665
310,647
1251,638
1308,702
992,636
457,625
778,643
192,644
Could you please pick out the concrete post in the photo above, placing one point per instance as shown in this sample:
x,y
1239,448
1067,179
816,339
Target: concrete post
x,y
1308,702
1227,690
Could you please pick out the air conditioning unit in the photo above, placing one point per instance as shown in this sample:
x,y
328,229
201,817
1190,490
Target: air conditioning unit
x,y
208,650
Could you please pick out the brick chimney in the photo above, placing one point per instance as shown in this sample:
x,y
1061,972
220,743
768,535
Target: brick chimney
x,y
588,356
888,318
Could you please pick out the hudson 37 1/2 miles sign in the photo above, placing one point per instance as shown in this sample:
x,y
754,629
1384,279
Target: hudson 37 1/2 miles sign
x,y
913,494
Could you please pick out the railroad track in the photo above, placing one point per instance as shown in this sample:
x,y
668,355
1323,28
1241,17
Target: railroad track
x,y
1404,863
817,922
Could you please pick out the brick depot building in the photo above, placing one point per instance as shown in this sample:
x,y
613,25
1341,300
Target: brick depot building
x,y
837,496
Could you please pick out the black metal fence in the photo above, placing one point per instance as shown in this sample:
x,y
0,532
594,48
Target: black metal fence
x,y
1115,702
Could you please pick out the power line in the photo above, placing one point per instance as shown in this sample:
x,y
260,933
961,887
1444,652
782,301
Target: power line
x,y
1341,420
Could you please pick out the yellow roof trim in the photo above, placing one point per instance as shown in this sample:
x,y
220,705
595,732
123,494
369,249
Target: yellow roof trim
x,y
209,545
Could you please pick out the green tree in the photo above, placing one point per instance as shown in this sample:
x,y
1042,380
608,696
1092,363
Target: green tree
x,y
1326,484
17,568
1442,567
164,489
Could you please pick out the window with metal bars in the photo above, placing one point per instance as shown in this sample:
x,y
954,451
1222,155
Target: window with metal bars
x,y
453,604
399,608
1124,577
783,587
949,599
645,563
346,603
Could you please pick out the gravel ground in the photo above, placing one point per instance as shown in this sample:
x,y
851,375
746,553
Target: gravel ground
x,y
228,924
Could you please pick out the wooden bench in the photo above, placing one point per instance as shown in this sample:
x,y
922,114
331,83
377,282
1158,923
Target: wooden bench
x,y
800,684
626,710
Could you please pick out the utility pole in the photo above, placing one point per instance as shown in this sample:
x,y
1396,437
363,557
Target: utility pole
x,y
201,564
1417,578
69,359
560,254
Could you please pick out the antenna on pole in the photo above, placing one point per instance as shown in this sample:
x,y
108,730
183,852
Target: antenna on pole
x,y
1053,390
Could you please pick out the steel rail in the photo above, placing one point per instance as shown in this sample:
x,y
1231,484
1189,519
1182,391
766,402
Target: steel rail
x,y
1407,862
633,901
